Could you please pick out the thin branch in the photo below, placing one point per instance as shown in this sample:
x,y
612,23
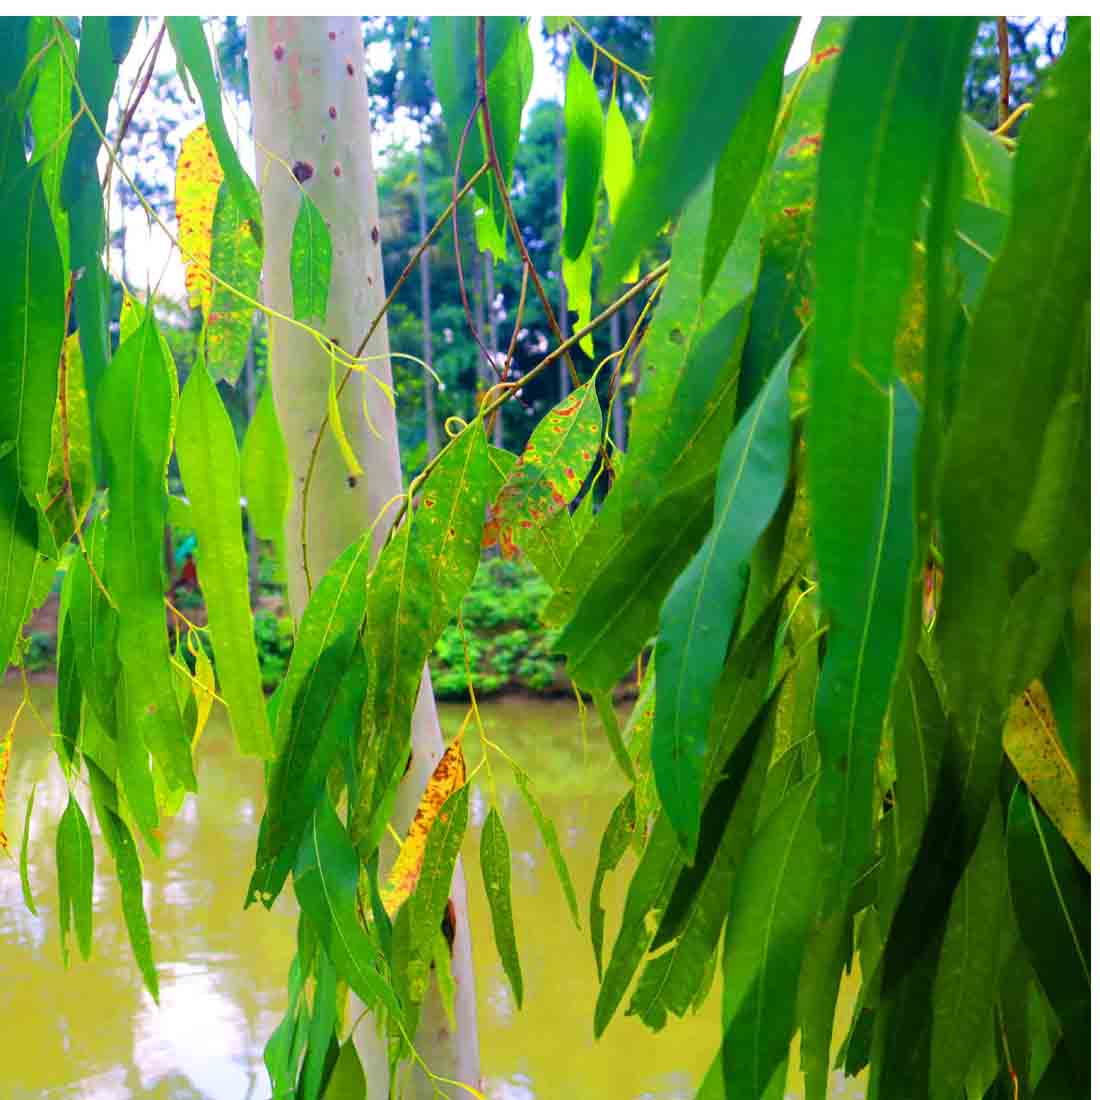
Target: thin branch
x,y
1002,50
505,197
618,62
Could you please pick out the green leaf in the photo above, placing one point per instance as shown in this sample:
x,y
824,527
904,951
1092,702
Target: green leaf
x,y
613,845
24,848
966,974
994,448
698,614
433,888
326,878
774,896
310,263
347,1081
738,168
549,473
618,167
18,539
699,904
210,467
576,274
235,258
1050,896
189,43
706,73
32,308
265,473
583,156
549,835
120,843
75,872
322,1024
416,587
496,871
987,168
309,720
69,698
860,444
135,417
823,961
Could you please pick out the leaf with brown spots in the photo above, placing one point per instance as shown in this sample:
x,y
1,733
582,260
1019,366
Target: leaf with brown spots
x,y
449,775
198,177
1032,743
550,472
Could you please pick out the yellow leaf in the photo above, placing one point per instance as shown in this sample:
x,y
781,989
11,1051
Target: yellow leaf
x,y
449,775
1032,744
203,686
198,175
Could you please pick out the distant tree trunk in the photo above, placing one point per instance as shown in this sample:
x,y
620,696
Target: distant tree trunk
x,y
490,299
563,305
299,71
618,422
431,429
250,410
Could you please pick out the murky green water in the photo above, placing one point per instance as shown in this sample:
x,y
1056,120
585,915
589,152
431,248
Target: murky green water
x,y
92,1033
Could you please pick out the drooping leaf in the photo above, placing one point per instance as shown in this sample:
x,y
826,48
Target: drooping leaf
x,y
987,168
613,846
75,872
706,72
310,263
549,835
861,474
618,167
134,418
235,258
69,700
265,473
24,849
322,1025
18,540
120,843
739,166
966,975
698,614
193,56
1032,743
449,774
326,878
210,467
496,872
198,178
774,896
347,1081
1050,897
583,156
576,274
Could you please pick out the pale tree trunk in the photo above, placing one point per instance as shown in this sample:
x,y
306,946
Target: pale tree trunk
x,y
563,306
431,430
309,97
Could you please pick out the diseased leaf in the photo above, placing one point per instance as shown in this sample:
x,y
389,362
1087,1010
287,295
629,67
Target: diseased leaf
x,y
235,258
135,417
613,846
210,467
75,872
1050,897
310,263
697,617
583,157
192,56
429,900
448,776
550,471
326,878
198,178
706,71
1032,743
549,835
496,871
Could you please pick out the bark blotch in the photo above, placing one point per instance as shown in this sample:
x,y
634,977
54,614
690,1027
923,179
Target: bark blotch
x,y
302,170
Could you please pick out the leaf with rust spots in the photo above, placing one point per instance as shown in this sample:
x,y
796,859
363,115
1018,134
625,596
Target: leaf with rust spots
x,y
198,177
449,775
1033,745
548,475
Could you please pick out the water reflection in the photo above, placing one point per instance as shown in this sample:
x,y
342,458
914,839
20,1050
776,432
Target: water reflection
x,y
93,1033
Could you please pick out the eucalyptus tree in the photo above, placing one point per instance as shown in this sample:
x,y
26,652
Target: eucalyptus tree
x,y
846,548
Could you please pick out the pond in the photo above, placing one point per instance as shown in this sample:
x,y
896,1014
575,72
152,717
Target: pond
x,y
93,1033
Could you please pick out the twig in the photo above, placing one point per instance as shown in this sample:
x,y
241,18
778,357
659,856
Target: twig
x,y
618,62
1002,50
505,197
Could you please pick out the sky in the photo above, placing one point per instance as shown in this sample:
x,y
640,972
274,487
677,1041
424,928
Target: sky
x,y
150,257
